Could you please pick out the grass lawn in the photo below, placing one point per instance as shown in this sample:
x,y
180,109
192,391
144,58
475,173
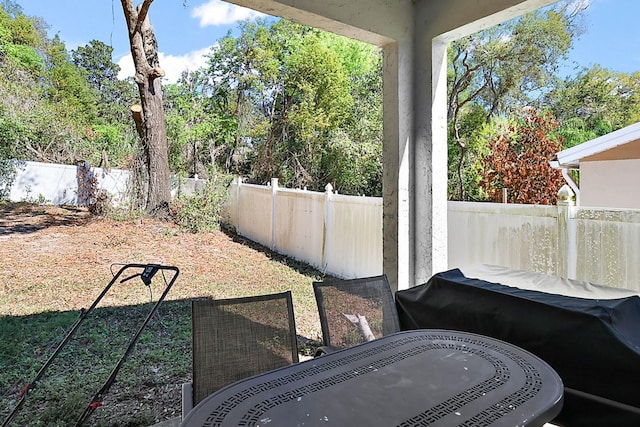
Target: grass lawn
x,y
56,261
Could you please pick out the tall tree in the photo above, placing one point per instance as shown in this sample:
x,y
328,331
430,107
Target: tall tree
x,y
109,134
202,131
291,88
595,102
69,86
152,126
244,74
498,69
102,74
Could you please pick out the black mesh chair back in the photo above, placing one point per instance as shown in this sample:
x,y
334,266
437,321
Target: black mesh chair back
x,y
355,311
237,338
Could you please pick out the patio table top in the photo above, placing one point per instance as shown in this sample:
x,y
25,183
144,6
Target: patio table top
x,y
411,378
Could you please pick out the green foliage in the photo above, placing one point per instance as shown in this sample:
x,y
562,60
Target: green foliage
x,y
307,104
20,40
494,73
575,131
466,145
279,100
24,56
594,103
201,130
70,88
201,212
49,111
288,101
7,176
353,168
101,74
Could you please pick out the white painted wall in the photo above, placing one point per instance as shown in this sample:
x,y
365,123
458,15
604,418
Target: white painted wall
x,y
610,183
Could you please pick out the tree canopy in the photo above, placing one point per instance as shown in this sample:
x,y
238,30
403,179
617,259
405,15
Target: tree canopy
x,y
279,99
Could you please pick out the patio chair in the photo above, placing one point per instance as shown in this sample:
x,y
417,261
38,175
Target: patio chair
x,y
355,311
237,338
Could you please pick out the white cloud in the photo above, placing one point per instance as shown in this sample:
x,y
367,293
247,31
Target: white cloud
x,y
217,12
173,66
126,66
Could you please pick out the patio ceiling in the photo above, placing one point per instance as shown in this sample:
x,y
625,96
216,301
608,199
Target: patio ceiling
x,y
413,35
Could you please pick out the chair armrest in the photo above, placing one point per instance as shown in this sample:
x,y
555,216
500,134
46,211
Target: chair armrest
x,y
322,350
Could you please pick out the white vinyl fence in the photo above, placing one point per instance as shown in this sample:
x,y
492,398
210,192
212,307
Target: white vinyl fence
x,y
342,235
58,184
63,184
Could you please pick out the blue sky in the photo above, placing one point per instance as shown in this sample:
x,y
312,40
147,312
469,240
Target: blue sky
x,y
612,37
184,34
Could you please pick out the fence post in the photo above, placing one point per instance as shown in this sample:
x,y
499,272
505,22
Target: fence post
x,y
567,252
238,184
274,194
327,224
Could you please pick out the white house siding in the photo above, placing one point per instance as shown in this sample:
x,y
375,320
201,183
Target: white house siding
x,y
610,183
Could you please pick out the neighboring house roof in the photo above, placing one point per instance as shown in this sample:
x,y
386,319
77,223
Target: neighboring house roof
x,y
570,158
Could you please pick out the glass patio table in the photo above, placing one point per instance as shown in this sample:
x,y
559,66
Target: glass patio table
x,y
411,378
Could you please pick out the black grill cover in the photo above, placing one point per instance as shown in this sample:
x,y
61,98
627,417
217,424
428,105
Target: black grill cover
x,y
594,345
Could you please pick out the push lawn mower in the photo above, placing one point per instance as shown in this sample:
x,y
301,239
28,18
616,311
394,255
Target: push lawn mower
x,y
146,272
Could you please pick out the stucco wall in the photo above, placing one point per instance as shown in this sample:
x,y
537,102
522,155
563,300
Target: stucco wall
x,y
610,183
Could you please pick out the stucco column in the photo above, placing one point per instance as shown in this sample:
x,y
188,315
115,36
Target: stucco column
x,y
430,159
415,161
397,191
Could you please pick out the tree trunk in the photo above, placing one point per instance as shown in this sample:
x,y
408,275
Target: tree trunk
x,y
144,50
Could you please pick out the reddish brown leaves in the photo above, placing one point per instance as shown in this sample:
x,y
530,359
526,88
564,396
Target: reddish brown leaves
x,y
520,164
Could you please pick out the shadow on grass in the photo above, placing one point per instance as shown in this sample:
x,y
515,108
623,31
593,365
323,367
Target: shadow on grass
x,y
298,266
25,218
147,388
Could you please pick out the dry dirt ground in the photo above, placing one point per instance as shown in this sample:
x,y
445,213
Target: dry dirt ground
x,y
58,259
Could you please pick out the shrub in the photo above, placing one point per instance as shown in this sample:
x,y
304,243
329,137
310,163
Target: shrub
x,y
201,211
